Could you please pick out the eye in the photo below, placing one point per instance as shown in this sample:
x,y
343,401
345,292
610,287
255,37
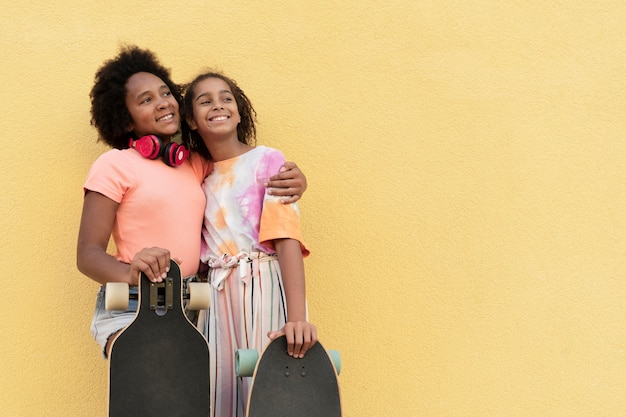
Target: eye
x,y
145,100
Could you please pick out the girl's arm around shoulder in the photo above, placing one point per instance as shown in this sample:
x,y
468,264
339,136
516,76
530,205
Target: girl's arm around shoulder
x,y
289,183
301,334
93,238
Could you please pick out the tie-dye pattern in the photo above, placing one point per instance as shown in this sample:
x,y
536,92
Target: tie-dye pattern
x,y
248,299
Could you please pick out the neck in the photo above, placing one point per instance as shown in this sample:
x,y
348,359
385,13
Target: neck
x,y
224,151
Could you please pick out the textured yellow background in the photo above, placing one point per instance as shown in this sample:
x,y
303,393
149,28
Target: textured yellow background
x,y
466,205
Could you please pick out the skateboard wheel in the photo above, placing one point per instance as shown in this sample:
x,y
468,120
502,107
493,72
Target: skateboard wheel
x,y
335,357
199,295
245,361
116,296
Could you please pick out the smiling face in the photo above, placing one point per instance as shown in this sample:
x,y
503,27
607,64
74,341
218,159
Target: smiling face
x,y
152,107
215,113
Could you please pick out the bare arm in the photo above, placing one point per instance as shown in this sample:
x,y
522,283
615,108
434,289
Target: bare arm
x,y
301,334
93,237
289,183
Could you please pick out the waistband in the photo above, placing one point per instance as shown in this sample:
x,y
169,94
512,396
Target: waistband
x,y
243,260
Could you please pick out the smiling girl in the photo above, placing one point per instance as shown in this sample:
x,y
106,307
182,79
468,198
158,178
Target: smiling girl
x,y
252,242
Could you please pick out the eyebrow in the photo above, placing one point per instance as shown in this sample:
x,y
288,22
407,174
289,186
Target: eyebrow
x,y
221,92
161,88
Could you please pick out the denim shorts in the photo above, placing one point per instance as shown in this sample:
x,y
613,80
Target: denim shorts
x,y
106,323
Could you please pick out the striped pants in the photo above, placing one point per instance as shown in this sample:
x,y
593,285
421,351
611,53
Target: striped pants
x,y
247,301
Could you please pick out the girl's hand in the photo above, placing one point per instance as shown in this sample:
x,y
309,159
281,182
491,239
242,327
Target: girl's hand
x,y
289,183
301,335
154,262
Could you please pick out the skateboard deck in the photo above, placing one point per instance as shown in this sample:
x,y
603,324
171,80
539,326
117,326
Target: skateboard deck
x,y
159,364
283,386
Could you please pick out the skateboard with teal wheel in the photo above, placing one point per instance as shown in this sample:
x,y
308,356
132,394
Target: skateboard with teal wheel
x,y
159,363
283,386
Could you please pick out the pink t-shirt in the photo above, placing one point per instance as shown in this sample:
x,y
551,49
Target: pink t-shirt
x,y
159,205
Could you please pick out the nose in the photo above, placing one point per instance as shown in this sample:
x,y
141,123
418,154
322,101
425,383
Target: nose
x,y
163,103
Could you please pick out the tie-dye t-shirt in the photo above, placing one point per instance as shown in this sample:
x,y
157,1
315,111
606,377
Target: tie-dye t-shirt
x,y
240,215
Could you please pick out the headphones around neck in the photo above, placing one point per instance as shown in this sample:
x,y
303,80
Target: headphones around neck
x,y
151,147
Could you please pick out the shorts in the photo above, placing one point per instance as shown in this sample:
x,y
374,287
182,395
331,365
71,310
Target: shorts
x,y
106,323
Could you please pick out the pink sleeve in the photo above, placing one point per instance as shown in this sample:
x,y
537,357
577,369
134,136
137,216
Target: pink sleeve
x,y
110,175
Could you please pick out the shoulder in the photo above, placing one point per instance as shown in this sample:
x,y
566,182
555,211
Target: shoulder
x,y
112,174
196,160
113,165
268,153
199,164
115,157
268,160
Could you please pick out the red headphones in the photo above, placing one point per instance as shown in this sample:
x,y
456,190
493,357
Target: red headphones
x,y
151,147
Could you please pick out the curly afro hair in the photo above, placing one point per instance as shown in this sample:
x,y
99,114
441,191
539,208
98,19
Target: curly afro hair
x,y
246,131
108,96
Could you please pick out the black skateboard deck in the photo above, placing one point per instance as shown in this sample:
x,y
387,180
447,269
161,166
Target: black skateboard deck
x,y
159,364
284,386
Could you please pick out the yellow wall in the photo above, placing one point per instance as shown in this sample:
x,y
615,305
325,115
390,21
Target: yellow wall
x,y
466,204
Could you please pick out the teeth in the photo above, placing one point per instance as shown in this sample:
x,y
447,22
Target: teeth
x,y
219,118
168,117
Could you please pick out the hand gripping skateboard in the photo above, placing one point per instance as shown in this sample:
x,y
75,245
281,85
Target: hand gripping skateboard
x,y
159,364
283,386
